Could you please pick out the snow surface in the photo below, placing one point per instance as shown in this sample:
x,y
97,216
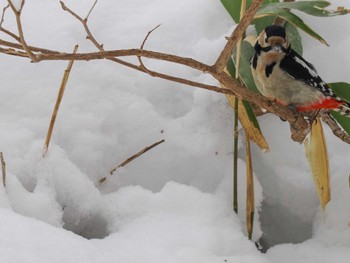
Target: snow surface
x,y
173,204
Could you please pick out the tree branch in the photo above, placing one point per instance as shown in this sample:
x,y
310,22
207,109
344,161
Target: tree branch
x,y
35,49
236,35
142,67
337,131
299,126
141,48
20,30
2,29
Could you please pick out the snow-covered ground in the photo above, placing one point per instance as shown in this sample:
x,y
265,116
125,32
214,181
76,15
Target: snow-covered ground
x,y
173,204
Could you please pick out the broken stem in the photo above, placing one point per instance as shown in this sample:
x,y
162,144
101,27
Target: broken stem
x,y
132,158
3,168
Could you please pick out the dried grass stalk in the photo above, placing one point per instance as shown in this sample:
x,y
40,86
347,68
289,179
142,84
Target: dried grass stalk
x,y
3,169
58,102
250,203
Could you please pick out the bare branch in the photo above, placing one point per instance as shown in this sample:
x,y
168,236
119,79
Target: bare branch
x,y
20,30
141,48
141,68
92,8
299,126
34,49
236,35
2,29
22,4
13,52
148,34
65,8
337,131
84,23
3,14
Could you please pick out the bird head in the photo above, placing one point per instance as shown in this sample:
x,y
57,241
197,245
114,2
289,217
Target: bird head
x,y
274,39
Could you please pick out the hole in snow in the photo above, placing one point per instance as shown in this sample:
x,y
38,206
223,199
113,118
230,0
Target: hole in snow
x,y
280,226
89,226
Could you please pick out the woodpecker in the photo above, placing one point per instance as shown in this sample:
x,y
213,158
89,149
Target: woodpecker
x,y
282,74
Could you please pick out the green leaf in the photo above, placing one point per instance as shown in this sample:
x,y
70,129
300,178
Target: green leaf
x,y
262,22
245,72
294,20
251,114
342,89
343,121
314,8
231,68
294,38
233,7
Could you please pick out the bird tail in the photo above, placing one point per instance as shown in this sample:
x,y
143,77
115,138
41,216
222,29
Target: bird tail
x,y
333,103
344,109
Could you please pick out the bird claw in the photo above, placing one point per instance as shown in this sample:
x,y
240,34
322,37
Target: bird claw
x,y
294,109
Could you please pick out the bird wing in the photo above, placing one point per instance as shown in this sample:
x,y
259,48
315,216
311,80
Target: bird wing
x,y
298,68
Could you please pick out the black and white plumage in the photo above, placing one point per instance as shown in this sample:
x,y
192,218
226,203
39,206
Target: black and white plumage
x,y
281,73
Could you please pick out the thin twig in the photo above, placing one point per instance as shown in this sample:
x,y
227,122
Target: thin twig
x,y
2,29
92,8
141,67
3,169
141,48
337,131
3,14
236,35
58,103
20,30
132,158
84,23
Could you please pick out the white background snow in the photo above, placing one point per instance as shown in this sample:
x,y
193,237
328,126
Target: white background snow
x,y
173,204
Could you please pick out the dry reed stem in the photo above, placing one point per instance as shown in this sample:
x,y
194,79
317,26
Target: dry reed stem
x,y
250,202
58,102
3,169
131,158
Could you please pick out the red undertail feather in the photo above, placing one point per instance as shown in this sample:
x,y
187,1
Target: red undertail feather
x,y
328,103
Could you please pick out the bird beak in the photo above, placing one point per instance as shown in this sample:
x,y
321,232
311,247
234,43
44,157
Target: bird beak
x,y
276,47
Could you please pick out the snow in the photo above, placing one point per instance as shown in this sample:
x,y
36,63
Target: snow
x,y
174,203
